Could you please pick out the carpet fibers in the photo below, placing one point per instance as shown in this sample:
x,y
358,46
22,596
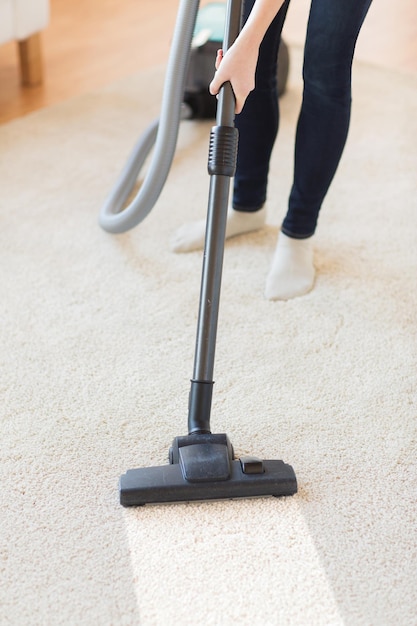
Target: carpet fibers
x,y
97,342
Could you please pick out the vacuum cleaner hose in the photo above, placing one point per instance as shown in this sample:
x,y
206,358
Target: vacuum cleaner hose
x,y
162,134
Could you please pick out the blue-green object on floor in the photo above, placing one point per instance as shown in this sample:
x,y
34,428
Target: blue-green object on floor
x,y
207,39
211,17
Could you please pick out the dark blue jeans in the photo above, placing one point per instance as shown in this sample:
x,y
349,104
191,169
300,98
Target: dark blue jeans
x,y
323,123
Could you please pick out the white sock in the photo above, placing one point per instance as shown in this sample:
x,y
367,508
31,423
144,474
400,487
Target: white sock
x,y
292,271
191,236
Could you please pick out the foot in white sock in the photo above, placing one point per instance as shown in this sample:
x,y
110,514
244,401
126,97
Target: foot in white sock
x,y
191,236
292,271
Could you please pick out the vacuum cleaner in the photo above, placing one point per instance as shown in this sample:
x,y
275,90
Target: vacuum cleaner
x,y
202,464
207,39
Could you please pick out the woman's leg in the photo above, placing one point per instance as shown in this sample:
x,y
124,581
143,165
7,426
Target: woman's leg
x,y
322,130
258,123
258,126
323,123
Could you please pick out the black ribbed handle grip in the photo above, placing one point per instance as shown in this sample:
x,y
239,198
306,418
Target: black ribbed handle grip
x,y
223,151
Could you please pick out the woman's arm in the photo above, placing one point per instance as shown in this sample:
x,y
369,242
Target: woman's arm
x,y
239,63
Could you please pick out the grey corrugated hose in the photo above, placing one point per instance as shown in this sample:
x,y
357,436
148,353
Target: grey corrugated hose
x,y
162,134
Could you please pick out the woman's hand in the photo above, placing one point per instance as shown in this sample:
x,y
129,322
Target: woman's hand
x,y
239,63
238,67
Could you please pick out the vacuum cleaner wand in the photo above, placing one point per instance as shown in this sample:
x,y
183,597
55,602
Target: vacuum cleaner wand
x,y
202,465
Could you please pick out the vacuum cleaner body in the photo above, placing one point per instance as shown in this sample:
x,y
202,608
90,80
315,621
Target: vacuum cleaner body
x,y
207,39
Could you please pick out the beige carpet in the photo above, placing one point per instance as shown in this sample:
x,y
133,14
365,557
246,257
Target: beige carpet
x,y
97,342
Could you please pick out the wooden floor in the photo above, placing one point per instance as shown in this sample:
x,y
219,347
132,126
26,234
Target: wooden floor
x,y
90,43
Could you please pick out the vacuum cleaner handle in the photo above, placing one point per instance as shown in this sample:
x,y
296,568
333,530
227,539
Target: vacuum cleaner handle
x,y
221,167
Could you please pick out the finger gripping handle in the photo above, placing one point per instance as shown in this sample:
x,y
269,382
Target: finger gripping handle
x,y
223,151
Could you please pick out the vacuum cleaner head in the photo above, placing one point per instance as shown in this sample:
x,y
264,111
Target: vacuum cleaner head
x,y
202,467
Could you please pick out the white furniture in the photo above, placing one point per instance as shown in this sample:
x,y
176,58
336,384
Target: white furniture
x,y
23,21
